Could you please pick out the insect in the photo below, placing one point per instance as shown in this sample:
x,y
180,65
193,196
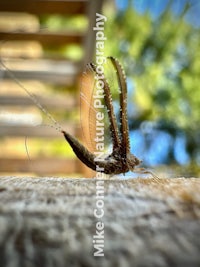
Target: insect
x,y
120,160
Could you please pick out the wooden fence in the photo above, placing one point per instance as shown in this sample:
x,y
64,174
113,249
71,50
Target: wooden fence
x,y
44,67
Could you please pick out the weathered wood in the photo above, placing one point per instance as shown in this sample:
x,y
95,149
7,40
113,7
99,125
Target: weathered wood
x,y
45,6
147,222
45,37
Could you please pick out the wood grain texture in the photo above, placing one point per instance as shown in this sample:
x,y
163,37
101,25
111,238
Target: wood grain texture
x,y
148,222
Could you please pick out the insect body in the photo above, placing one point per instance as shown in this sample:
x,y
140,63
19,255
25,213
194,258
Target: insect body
x,y
120,160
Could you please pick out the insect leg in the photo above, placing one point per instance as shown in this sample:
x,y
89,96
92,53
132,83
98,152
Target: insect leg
x,y
124,130
112,118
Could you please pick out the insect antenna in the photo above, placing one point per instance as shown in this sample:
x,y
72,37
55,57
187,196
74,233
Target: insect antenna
x,y
55,125
26,147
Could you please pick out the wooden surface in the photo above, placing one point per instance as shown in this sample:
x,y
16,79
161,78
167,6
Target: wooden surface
x,y
148,222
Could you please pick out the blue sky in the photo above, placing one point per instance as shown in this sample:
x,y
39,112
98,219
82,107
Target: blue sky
x,y
157,7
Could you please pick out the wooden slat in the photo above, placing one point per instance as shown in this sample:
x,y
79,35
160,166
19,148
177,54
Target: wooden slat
x,y
61,103
44,6
35,131
45,37
53,78
38,165
62,72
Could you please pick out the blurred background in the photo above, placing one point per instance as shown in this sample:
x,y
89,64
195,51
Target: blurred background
x,y
158,43
46,45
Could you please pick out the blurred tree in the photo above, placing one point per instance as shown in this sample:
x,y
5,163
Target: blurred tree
x,y
162,61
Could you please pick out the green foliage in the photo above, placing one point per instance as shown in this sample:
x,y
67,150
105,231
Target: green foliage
x,y
162,60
